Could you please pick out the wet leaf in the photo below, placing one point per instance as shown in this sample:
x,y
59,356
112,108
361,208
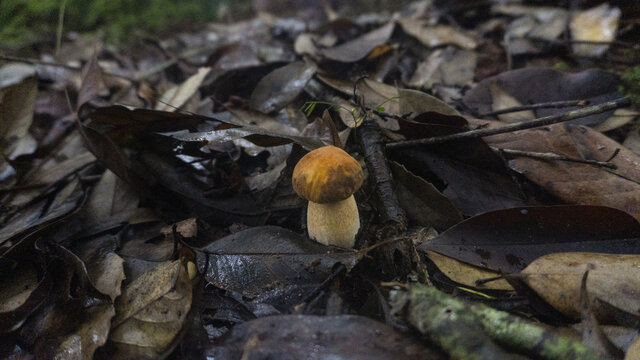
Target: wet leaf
x,y
281,86
525,234
264,258
320,337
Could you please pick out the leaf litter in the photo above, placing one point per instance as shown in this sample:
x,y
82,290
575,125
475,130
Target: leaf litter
x,y
146,207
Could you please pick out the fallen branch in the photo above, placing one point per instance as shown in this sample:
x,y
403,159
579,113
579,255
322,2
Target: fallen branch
x,y
547,120
56,64
390,211
547,105
552,156
477,331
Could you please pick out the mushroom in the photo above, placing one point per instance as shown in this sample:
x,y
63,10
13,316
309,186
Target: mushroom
x,y
328,177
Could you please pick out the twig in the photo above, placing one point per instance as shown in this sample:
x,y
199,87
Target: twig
x,y
547,120
552,156
545,105
137,78
63,6
391,213
56,64
569,42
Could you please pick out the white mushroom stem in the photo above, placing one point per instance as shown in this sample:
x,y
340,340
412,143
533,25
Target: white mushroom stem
x,y
335,223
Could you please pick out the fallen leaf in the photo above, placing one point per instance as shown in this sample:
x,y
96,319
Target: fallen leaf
x,y
421,201
436,35
151,312
449,66
320,337
540,85
502,100
18,91
597,24
634,351
359,48
281,86
525,234
176,97
466,274
577,183
613,278
263,258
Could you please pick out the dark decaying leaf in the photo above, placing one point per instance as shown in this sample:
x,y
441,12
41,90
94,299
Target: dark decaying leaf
x,y
43,213
508,240
471,188
315,337
357,49
281,86
422,202
467,172
264,258
539,85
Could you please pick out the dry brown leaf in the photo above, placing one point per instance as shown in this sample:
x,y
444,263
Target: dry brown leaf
x,y
90,335
14,290
502,100
633,353
153,313
613,278
176,97
573,182
596,24
432,36
146,289
186,228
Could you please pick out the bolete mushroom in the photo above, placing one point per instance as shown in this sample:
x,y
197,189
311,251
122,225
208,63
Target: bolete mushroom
x,y
328,177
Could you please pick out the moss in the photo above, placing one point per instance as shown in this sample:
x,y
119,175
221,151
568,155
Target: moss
x,y
561,66
25,21
631,84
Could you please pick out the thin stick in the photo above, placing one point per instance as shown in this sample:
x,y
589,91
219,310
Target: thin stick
x,y
545,105
552,156
547,120
63,6
568,42
55,64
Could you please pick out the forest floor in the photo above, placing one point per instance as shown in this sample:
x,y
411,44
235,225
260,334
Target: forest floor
x,y
147,208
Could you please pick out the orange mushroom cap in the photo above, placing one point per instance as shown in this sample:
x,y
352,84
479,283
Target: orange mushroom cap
x,y
327,174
